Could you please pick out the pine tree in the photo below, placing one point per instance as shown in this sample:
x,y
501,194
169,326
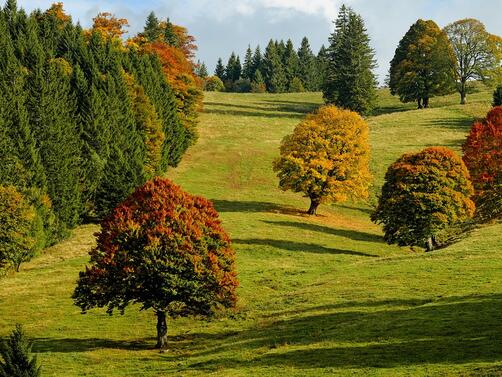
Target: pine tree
x,y
201,69
16,356
257,61
307,68
220,70
170,36
258,84
247,68
152,31
291,64
322,63
351,83
273,69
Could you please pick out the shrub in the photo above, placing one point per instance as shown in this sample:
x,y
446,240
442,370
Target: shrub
x,y
15,352
296,86
258,87
242,86
423,194
213,84
483,157
163,249
326,158
18,219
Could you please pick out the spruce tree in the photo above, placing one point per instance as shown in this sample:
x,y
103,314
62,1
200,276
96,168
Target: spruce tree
x,y
247,68
291,64
307,68
322,63
273,69
257,61
220,70
351,83
170,36
15,353
152,31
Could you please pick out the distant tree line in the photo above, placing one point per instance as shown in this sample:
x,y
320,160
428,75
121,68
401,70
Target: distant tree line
x,y
85,119
280,68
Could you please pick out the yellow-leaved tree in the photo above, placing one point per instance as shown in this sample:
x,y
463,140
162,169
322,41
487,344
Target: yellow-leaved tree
x,y
326,158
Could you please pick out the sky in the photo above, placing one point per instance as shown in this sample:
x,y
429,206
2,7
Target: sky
x,y
223,26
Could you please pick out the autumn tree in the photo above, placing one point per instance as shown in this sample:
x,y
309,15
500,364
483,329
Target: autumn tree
x,y
351,83
15,352
326,158
165,250
423,194
474,51
423,65
109,26
483,157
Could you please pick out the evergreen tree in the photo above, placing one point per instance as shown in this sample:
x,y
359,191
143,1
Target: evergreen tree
x,y
307,68
291,63
257,61
152,31
201,70
273,69
15,352
322,63
170,36
351,83
258,84
247,68
220,70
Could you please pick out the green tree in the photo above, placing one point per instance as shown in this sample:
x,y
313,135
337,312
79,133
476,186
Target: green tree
x,y
273,69
326,158
423,64
170,36
307,68
165,250
351,83
220,70
152,31
474,50
291,63
15,352
322,64
214,84
201,70
257,61
247,68
258,84
423,194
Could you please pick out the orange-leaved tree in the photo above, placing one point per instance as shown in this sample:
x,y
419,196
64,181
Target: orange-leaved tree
x,y
423,194
165,250
483,157
326,158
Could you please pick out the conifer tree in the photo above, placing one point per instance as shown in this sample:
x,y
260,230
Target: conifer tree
x,y
15,353
291,64
351,83
170,36
201,70
258,84
273,69
257,61
220,70
152,31
307,68
247,68
322,63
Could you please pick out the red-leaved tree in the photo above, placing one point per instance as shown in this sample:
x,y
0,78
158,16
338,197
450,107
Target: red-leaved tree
x,y
163,249
483,158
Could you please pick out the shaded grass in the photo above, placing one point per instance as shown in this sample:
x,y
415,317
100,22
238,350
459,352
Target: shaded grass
x,y
318,296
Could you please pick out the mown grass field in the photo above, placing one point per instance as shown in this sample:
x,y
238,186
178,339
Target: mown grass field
x,y
319,296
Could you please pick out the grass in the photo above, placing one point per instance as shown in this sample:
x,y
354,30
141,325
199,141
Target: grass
x,y
319,296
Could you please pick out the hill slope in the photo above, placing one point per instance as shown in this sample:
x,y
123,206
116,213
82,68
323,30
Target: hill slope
x,y
318,296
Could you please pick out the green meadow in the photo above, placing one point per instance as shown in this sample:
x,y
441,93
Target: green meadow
x,y
318,296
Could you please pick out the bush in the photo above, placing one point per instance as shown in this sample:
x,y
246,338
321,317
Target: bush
x,y
497,96
483,157
213,84
326,158
242,86
296,86
163,249
16,356
18,219
424,193
258,87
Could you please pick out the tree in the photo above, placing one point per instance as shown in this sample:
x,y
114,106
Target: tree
x,y
247,68
257,61
17,217
497,96
423,194
220,70
16,356
109,26
483,157
473,50
152,31
326,158
291,64
273,69
351,83
165,250
201,70
423,64
322,64
214,84
296,86
306,66
258,84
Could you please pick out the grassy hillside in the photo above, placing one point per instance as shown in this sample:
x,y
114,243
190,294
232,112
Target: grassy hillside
x,y
318,296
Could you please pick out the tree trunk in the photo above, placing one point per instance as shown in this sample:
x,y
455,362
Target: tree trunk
x,y
419,101
430,244
426,102
462,92
314,203
161,331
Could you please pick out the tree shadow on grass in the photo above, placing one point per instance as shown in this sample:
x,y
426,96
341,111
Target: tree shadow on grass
x,y
455,330
346,233
381,110
292,107
82,345
254,206
299,246
257,113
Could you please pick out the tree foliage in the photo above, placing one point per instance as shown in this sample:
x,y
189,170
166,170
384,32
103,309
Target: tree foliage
x,y
326,158
497,96
17,361
423,65
213,84
423,194
165,250
474,50
483,157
